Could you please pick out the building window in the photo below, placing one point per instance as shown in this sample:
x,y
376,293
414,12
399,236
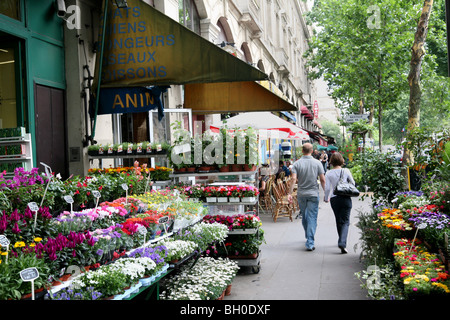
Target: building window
x,y
189,15
10,8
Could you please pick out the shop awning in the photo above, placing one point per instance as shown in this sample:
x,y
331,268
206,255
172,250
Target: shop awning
x,y
305,111
144,47
205,98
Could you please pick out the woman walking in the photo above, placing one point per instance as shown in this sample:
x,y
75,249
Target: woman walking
x,y
341,205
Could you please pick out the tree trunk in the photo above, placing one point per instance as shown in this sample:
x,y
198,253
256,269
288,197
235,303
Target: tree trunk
x,y
418,52
380,125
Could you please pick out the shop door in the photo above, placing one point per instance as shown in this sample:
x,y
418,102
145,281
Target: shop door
x,y
50,129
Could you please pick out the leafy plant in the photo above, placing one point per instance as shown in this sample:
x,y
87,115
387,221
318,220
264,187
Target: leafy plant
x,y
380,174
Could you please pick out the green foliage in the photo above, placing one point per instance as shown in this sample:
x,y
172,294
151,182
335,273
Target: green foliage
x,y
381,174
11,284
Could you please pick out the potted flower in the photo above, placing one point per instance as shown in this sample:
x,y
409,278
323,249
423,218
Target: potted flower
x,y
233,194
93,149
222,194
248,193
210,194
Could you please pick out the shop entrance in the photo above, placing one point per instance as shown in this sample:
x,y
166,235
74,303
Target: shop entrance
x,y
50,128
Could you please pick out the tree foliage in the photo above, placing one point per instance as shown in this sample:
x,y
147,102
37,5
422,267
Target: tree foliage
x,y
362,49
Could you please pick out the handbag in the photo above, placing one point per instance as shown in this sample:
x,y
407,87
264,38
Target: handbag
x,y
344,188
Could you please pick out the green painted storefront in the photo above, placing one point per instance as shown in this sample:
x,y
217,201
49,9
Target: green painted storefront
x,y
32,74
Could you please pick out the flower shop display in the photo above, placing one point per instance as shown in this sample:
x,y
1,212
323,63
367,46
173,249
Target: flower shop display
x,y
207,279
245,237
422,272
232,193
101,246
129,148
207,236
409,233
178,249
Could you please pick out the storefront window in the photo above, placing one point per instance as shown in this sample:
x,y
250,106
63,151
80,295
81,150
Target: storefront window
x,y
8,109
10,8
188,15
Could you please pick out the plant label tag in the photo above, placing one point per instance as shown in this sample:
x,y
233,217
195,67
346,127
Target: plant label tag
x,y
158,147
101,150
142,230
124,186
96,194
4,242
68,199
29,274
139,147
33,206
130,148
48,170
422,226
110,149
163,220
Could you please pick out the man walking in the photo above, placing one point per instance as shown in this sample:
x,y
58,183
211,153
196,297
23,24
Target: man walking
x,y
307,170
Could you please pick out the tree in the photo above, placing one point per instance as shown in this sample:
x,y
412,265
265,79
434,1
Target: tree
x,y
361,50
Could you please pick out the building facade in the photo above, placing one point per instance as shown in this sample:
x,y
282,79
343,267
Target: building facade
x,y
55,44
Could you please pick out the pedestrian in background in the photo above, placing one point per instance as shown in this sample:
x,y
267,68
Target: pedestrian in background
x,y
306,171
324,160
341,205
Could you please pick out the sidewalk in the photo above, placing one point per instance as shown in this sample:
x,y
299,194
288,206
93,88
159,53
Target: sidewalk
x,y
289,272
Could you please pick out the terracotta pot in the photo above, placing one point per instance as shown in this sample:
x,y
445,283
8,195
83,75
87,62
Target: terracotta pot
x,y
204,168
190,169
249,256
228,290
225,168
249,167
65,277
236,167
38,293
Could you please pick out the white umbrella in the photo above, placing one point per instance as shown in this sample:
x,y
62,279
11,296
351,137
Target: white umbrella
x,y
267,123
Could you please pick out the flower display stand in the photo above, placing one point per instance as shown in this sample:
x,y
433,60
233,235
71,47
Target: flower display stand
x,y
254,260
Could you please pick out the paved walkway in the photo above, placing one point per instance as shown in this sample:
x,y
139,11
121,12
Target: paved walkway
x,y
289,272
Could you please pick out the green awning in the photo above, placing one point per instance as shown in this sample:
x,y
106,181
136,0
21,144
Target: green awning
x,y
144,47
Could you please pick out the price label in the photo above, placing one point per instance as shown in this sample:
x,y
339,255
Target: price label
x,y
422,226
130,148
96,194
29,274
68,199
4,242
124,186
33,206
163,220
139,147
142,230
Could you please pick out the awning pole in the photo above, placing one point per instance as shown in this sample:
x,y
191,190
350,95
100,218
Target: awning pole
x,y
100,65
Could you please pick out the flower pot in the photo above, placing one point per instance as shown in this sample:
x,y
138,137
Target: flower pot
x,y
248,256
93,152
248,199
228,290
190,169
222,199
211,199
234,199
225,168
236,167
204,168
38,294
248,167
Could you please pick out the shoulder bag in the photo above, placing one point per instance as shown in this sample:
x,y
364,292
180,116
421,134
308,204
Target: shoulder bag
x,y
344,188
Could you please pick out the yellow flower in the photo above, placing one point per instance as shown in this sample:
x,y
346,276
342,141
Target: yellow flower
x,y
37,239
19,244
